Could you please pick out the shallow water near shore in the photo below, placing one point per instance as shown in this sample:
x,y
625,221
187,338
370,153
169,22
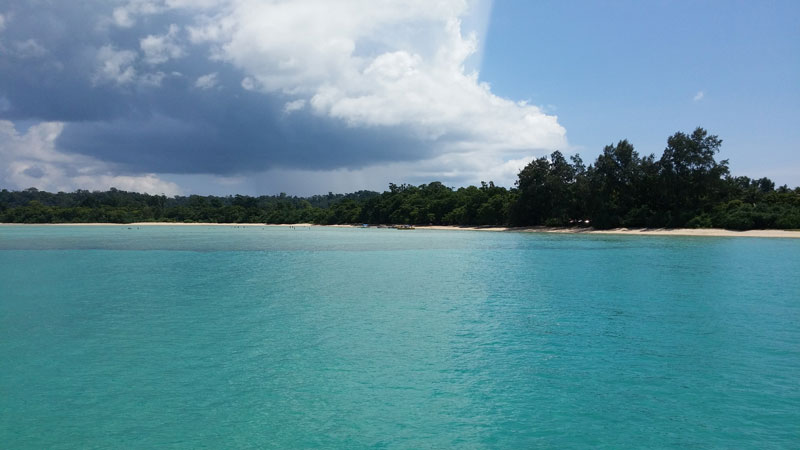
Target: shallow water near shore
x,y
226,337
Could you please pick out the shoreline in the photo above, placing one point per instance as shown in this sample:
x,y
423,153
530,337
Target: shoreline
x,y
686,232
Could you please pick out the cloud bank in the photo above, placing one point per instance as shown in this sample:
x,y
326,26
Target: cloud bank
x,y
31,159
273,92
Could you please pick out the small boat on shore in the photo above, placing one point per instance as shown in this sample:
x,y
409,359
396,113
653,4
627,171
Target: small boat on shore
x,y
403,227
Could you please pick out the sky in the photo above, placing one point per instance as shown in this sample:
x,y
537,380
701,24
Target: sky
x,y
311,96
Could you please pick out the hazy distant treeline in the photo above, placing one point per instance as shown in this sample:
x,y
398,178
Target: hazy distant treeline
x,y
684,187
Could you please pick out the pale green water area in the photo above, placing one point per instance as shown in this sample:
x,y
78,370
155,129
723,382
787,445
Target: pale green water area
x,y
222,337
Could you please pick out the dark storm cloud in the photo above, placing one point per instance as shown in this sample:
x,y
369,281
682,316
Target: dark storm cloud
x,y
178,128
218,133
55,84
49,72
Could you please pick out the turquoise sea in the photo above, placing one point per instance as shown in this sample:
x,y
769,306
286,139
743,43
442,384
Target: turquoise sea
x,y
267,337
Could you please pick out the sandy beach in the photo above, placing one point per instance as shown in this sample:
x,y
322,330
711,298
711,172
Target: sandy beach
x,y
707,232
710,232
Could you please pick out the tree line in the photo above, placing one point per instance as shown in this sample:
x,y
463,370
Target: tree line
x,y
685,187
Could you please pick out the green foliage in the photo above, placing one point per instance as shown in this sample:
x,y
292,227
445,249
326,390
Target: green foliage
x,y
685,187
551,192
614,182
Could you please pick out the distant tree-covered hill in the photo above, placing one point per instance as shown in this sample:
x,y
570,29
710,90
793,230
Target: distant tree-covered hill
x,y
685,187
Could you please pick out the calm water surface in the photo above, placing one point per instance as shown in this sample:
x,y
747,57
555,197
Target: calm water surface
x,y
223,337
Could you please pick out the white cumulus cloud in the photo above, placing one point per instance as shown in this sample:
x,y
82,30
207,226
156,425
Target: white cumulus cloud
x,y
120,67
376,63
32,160
158,49
294,105
207,81
125,16
115,65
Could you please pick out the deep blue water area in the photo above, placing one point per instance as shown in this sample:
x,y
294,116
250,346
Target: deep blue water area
x,y
272,337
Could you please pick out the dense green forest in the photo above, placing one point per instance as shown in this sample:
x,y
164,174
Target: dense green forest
x,y
685,187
